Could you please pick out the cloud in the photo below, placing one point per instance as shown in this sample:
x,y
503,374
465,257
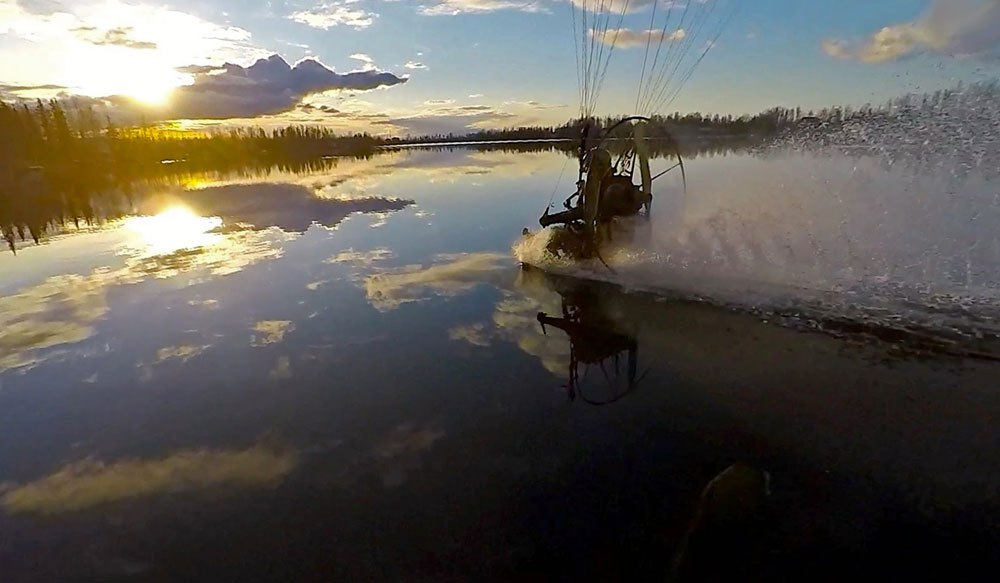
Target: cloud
x,y
415,65
961,28
200,69
444,116
119,36
455,7
367,63
269,86
327,16
625,38
16,92
632,6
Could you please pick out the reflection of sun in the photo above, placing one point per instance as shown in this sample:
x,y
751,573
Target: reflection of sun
x,y
173,229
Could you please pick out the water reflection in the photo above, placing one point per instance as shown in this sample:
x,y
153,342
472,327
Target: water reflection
x,y
91,483
528,296
449,275
593,340
173,229
425,409
44,212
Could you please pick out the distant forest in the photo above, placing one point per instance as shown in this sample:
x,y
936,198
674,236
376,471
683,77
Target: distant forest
x,y
749,129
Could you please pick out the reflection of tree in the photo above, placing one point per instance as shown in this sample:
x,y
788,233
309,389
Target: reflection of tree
x,y
59,167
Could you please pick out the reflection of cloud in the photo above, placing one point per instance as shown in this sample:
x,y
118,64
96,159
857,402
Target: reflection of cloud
x,y
287,206
90,483
227,255
453,274
184,353
394,457
953,27
64,309
282,369
207,304
515,321
475,334
60,310
366,258
271,331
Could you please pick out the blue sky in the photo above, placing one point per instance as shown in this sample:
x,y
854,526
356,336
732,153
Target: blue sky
x,y
482,63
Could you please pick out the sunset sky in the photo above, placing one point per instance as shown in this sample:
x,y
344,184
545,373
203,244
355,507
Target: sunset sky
x,y
450,65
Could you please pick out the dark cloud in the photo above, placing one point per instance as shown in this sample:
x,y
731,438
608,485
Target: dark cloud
x,y
269,86
200,69
119,37
18,88
456,121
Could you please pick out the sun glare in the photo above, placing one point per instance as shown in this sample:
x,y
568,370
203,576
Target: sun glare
x,y
148,78
173,229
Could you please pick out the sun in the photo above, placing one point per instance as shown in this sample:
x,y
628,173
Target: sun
x,y
146,78
151,86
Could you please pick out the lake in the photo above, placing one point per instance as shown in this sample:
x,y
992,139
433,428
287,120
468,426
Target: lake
x,y
342,373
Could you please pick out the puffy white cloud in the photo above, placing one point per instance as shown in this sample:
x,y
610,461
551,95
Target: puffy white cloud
x,y
625,38
950,27
327,16
367,63
455,7
415,65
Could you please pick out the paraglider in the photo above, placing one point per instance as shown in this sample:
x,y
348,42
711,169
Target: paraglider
x,y
677,38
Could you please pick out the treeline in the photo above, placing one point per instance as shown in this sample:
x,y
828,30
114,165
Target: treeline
x,y
749,129
56,164
680,126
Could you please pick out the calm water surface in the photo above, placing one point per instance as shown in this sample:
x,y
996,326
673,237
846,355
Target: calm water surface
x,y
341,375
